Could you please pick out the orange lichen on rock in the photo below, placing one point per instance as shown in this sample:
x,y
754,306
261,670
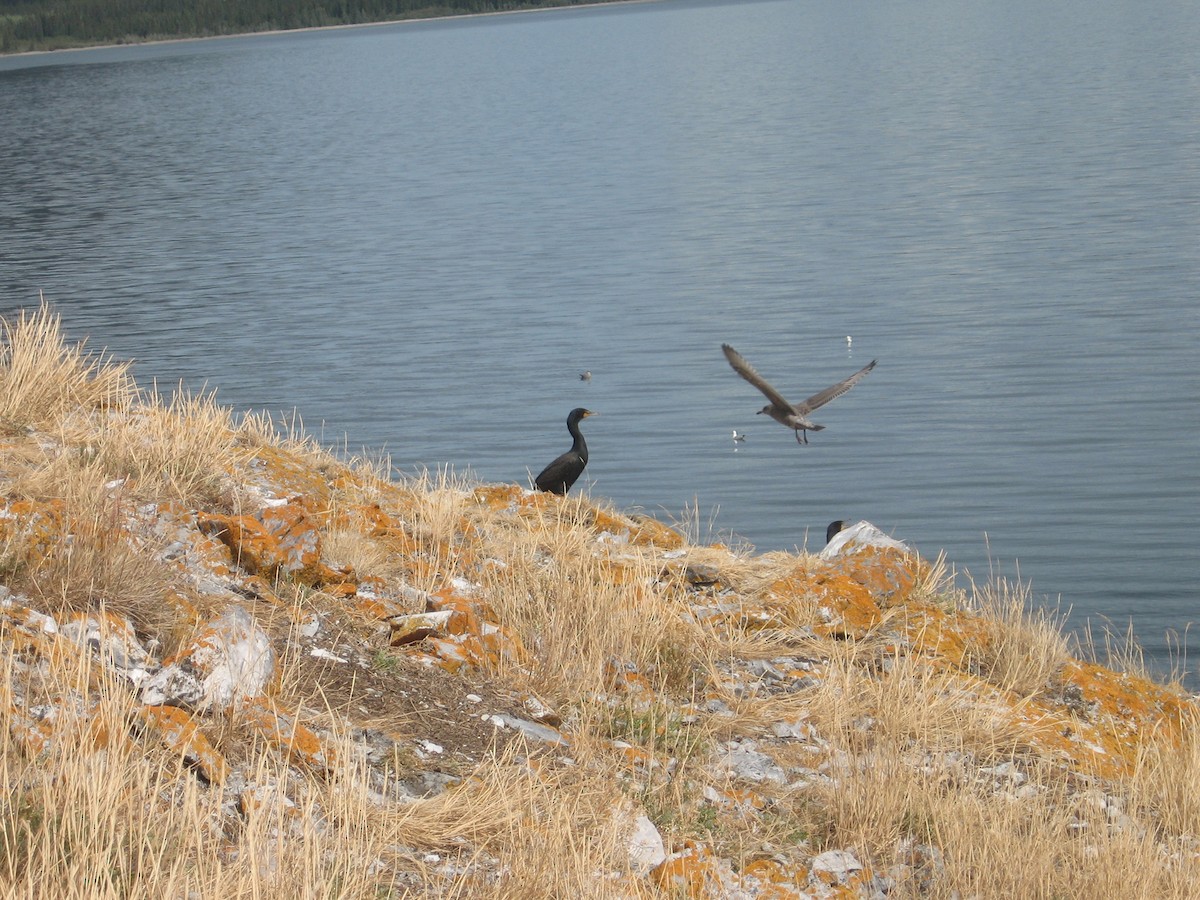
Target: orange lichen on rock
x,y
293,737
290,474
297,533
466,613
33,528
952,636
376,607
279,540
777,882
1109,716
499,497
253,548
692,873
456,631
848,596
63,725
178,731
416,627
640,531
32,735
373,521
67,659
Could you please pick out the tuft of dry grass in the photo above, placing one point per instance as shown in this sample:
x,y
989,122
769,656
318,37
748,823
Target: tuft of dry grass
x,y
88,560
183,448
1023,648
42,378
1166,784
581,614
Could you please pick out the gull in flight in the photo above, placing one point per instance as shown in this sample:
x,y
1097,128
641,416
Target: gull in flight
x,y
793,416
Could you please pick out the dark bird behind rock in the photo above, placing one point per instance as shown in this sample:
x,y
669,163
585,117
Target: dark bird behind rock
x,y
793,416
558,477
834,527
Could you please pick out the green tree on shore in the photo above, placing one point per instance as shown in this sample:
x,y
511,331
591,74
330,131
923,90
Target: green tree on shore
x,y
56,24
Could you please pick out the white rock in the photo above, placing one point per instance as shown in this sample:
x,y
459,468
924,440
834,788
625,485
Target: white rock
x,y
840,864
743,761
463,586
115,641
859,536
646,849
230,660
531,729
325,654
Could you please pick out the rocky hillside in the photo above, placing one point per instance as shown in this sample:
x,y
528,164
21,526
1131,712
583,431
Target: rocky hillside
x,y
236,665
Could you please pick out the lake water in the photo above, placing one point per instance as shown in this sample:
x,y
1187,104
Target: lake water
x,y
419,235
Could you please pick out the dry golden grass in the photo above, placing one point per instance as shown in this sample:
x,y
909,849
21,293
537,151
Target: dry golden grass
x,y
1023,647
43,379
181,449
126,819
581,614
1165,787
911,745
89,560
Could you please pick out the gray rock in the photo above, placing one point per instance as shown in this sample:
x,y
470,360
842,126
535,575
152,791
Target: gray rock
x,y
742,760
838,865
646,848
230,660
114,642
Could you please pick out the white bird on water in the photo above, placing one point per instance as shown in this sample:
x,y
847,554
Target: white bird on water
x,y
849,342
738,437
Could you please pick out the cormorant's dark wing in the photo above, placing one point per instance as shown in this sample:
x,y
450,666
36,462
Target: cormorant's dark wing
x,y
816,401
558,477
748,372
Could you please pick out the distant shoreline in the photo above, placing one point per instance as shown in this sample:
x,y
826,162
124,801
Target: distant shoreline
x,y
276,31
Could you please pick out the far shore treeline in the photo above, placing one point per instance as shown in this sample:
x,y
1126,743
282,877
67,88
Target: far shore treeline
x,y
58,24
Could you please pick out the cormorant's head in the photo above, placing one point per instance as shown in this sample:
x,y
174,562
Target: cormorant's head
x,y
577,414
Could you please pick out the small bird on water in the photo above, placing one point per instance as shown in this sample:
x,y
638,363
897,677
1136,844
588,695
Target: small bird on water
x,y
585,376
738,437
558,477
793,416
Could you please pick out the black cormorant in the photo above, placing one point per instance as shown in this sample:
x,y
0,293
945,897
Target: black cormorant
x,y
794,417
558,477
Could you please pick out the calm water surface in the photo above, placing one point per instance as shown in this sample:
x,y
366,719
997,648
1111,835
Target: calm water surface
x,y
418,235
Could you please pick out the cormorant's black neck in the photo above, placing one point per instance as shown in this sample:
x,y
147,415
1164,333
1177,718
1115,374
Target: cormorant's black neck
x,y
580,445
